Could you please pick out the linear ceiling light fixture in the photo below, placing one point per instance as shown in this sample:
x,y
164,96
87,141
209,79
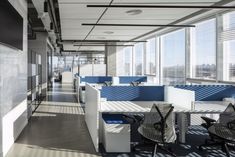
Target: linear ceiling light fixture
x,y
102,41
105,45
134,25
163,6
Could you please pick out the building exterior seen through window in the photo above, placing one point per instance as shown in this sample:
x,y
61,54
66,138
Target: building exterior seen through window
x,y
138,53
173,58
151,57
203,49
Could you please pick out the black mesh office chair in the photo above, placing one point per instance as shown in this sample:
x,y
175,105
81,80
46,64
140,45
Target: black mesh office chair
x,y
108,83
158,127
133,83
209,122
221,132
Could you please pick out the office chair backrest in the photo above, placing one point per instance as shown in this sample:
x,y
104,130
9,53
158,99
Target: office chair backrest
x,y
228,114
108,83
158,125
134,83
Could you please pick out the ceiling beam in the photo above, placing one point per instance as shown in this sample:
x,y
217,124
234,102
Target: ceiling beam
x,y
134,25
163,6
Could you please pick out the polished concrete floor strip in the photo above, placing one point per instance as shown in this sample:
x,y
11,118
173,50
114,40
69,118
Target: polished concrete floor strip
x,y
56,129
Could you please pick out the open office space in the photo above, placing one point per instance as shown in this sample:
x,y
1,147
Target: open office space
x,y
117,78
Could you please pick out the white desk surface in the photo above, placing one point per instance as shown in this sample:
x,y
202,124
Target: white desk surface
x,y
145,106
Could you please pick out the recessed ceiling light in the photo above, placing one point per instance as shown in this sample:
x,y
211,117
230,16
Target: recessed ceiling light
x,y
108,32
134,12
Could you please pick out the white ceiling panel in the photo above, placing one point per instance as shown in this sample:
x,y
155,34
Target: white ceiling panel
x,y
85,48
113,32
137,21
109,37
162,14
75,12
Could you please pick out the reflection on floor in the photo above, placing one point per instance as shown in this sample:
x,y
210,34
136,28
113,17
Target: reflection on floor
x,y
56,129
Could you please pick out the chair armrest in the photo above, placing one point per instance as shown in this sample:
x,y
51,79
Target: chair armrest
x,y
208,120
139,118
134,118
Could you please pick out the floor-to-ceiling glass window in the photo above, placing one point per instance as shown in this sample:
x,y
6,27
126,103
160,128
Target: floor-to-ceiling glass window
x,y
138,59
203,48
127,61
173,58
229,46
151,57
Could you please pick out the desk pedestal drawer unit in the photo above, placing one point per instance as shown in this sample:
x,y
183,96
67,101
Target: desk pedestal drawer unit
x,y
116,133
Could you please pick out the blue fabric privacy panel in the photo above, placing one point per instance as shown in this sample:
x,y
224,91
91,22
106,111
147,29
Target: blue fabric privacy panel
x,y
129,93
210,92
129,79
95,79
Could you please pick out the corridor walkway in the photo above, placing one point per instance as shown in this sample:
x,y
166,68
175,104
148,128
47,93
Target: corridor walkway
x,y
56,129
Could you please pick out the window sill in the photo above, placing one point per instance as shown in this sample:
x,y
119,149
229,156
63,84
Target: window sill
x,y
150,75
211,81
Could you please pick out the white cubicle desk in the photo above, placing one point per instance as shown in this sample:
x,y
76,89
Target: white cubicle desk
x,y
135,107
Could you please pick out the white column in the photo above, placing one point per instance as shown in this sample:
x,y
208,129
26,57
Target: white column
x,y
158,66
188,55
221,67
114,60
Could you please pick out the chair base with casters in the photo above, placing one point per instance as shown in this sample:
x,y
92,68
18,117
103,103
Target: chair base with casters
x,y
224,146
221,135
155,146
163,148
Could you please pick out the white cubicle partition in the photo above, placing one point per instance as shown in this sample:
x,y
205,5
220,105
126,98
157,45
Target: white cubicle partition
x,y
179,97
115,80
184,99
92,113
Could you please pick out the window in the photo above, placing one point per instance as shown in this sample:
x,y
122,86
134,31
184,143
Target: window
x,y
203,48
138,59
151,57
228,38
173,58
127,61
